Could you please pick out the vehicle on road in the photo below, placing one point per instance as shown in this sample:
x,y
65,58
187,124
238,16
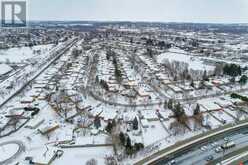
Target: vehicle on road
x,y
172,162
228,145
209,158
204,148
226,139
218,149
214,144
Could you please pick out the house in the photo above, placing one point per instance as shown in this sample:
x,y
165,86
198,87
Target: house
x,y
144,123
149,115
175,89
35,123
94,132
48,129
142,93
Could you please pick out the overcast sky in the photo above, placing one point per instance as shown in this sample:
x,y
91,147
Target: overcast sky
x,y
212,11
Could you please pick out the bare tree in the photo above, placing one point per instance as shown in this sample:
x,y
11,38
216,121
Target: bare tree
x,y
177,128
91,162
110,160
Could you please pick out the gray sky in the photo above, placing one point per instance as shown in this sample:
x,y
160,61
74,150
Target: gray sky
x,y
213,11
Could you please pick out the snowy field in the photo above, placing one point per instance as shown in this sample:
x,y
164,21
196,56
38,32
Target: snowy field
x,y
178,55
18,55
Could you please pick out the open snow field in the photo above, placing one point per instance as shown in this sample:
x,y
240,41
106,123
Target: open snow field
x,y
178,55
7,151
18,55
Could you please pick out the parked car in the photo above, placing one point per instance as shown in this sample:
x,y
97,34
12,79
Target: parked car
x,y
209,158
204,148
172,162
218,149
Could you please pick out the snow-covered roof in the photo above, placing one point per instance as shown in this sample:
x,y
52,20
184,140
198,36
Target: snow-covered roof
x,y
209,104
144,123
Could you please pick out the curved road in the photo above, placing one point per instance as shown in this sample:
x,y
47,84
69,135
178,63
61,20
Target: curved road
x,y
18,152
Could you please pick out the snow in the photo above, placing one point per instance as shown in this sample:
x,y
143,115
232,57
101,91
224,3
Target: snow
x,y
223,102
17,55
210,120
221,115
208,104
149,114
4,69
154,133
43,156
195,63
144,123
84,140
7,151
82,155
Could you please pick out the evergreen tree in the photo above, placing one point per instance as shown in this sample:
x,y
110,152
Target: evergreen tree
x,y
205,76
178,111
109,127
232,80
170,104
202,84
97,122
138,146
192,84
165,104
135,124
175,78
232,70
197,109
128,142
149,42
243,80
122,138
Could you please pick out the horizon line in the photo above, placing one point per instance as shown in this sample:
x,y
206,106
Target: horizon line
x,y
139,21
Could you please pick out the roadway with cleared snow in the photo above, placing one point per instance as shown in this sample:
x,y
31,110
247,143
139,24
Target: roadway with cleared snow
x,y
189,152
199,156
